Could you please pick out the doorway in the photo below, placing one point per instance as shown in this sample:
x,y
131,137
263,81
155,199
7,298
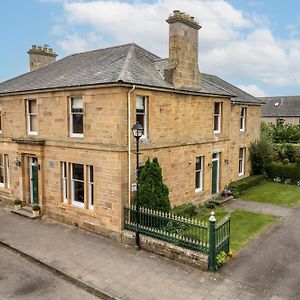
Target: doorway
x,y
33,180
215,173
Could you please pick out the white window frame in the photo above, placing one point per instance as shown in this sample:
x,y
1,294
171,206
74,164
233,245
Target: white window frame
x,y
219,115
72,134
64,181
29,115
73,201
145,114
91,187
243,116
7,173
200,171
242,161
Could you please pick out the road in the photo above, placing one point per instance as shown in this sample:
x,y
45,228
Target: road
x,y
23,279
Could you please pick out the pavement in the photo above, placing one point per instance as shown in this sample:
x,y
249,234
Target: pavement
x,y
114,271
22,279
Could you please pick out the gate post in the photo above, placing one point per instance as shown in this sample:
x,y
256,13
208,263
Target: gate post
x,y
212,243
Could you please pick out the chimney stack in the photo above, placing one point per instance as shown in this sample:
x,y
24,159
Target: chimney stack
x,y
182,70
40,56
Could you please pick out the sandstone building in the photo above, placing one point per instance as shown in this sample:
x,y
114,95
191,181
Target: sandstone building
x,y
66,140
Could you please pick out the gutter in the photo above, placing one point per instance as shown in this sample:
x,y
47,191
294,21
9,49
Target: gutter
x,y
129,140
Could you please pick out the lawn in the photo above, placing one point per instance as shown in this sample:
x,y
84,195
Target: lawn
x,y
275,193
244,225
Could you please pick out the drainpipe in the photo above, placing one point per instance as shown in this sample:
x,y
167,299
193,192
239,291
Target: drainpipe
x,y
129,145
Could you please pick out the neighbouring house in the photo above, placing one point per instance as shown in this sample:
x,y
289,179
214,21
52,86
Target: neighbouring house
x,y
66,140
282,109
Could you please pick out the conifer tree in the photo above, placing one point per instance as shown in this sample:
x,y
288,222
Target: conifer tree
x,y
153,193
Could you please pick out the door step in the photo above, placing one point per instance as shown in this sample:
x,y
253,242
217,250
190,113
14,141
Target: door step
x,y
25,211
220,199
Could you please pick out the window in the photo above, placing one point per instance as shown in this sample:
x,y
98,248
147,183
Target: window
x,y
243,119
1,171
91,186
77,185
242,161
199,174
80,179
32,117
7,174
217,117
64,181
141,112
76,116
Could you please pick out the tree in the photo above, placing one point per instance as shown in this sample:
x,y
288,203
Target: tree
x,y
261,152
153,193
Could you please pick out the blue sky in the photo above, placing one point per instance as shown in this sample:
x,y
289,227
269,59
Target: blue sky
x,y
253,44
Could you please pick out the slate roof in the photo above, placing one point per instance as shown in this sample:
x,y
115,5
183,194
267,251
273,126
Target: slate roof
x,y
240,95
121,64
281,106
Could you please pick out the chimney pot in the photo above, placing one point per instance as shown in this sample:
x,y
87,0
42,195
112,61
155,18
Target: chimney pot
x,y
40,56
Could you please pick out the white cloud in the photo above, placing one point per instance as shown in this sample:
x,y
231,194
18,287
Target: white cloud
x,y
253,90
233,44
74,43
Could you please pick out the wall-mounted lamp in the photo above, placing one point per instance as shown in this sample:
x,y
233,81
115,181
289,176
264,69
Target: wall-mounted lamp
x,y
17,162
210,165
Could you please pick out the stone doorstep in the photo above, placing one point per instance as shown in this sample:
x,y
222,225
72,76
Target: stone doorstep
x,y
25,211
220,201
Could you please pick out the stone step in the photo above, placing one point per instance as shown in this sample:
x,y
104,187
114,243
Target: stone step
x,y
25,211
220,200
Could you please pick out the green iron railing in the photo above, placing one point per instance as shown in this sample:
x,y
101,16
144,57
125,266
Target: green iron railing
x,y
209,238
184,232
222,236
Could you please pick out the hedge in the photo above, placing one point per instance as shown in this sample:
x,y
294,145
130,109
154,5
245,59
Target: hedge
x,y
289,171
240,186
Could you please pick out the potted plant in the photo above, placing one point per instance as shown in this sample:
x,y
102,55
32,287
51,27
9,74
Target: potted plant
x,y
36,210
18,204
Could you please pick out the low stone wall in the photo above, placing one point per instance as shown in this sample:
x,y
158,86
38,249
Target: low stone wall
x,y
189,257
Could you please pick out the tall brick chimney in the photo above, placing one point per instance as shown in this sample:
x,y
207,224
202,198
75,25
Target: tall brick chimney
x,y
182,70
40,56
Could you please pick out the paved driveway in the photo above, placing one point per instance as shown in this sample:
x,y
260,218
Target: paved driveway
x,y
271,262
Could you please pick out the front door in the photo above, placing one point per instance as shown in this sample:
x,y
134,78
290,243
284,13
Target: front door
x,y
215,173
33,177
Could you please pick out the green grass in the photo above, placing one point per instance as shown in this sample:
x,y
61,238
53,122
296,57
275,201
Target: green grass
x,y
275,193
244,225
247,225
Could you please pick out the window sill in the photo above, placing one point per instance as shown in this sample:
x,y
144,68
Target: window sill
x,y
32,133
82,210
78,136
198,191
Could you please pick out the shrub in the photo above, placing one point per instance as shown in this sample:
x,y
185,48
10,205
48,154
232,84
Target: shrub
x,y
285,161
261,153
222,259
240,186
210,205
17,202
185,210
36,207
289,171
153,193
